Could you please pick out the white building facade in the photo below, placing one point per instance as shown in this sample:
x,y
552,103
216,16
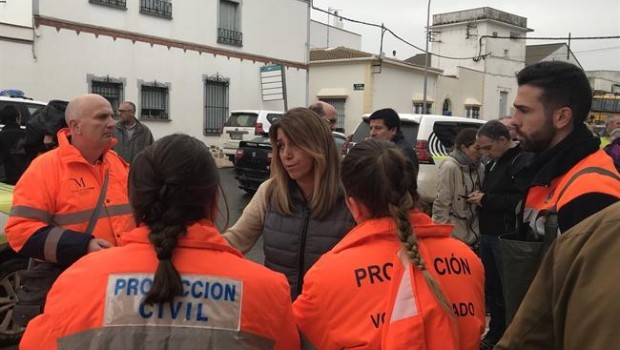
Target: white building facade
x,y
484,40
357,83
185,64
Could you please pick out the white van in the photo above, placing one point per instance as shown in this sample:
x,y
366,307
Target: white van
x,y
432,137
245,125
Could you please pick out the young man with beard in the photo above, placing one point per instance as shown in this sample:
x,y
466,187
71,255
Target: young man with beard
x,y
570,178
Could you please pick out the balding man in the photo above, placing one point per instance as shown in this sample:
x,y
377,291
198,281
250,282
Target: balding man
x,y
53,217
327,112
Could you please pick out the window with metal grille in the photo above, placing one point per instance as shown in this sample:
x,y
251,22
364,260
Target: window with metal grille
x,y
154,102
472,112
417,107
338,103
112,91
229,29
216,104
121,4
159,8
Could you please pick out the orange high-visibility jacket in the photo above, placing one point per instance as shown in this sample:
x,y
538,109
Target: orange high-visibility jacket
x,y
593,175
58,193
228,302
349,297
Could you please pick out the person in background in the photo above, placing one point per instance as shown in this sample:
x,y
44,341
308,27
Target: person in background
x,y
572,303
385,125
132,135
327,112
570,177
56,196
460,175
12,139
507,121
175,283
300,211
396,281
42,128
611,124
497,202
613,148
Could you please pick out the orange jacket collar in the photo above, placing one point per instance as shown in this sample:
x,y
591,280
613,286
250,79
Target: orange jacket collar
x,y
201,234
69,152
423,227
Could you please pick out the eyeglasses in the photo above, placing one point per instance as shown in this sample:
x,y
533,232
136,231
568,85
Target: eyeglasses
x,y
331,121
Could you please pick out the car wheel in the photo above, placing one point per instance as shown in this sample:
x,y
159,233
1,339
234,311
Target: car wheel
x,y
10,333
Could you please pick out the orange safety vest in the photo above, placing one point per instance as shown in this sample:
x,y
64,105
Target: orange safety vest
x,y
60,188
349,295
228,302
594,173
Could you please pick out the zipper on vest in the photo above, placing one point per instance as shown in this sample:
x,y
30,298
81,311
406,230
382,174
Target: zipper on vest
x,y
302,249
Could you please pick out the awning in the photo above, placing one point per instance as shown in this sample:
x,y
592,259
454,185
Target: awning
x,y
332,92
420,98
472,102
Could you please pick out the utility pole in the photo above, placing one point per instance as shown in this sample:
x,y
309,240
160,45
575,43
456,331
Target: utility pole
x,y
427,56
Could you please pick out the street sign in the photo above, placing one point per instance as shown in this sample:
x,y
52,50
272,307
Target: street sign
x,y
358,87
272,82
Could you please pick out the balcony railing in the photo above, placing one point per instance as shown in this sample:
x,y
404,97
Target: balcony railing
x,y
121,4
158,8
231,37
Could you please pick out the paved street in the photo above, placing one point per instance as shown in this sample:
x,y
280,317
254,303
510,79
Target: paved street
x,y
237,200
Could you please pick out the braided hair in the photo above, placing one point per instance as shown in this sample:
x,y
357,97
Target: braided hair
x,y
172,184
380,177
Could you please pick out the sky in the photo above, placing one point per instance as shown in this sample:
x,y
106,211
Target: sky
x,y
548,18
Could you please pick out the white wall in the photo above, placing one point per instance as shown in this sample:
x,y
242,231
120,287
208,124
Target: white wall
x,y
468,85
560,55
322,35
342,76
57,65
196,21
395,87
16,12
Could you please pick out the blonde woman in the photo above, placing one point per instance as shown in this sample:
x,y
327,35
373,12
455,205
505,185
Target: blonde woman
x,y
300,210
396,281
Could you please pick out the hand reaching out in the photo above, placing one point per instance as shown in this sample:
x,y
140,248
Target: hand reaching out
x,y
97,244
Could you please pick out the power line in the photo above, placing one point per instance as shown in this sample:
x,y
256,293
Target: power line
x,y
480,56
382,27
474,58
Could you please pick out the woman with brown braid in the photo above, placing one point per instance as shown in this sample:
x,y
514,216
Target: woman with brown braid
x,y
175,283
396,281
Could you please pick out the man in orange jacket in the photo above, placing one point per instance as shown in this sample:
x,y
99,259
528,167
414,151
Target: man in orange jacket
x,y
367,285
570,178
55,198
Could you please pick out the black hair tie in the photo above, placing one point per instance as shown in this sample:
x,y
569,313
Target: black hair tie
x,y
164,255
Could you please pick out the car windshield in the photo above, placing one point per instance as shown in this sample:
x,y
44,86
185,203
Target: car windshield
x,y
242,120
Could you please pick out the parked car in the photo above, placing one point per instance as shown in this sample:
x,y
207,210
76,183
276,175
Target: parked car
x,y
10,266
26,106
432,137
244,126
253,160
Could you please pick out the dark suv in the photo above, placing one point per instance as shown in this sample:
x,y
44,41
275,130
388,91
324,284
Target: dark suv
x,y
253,160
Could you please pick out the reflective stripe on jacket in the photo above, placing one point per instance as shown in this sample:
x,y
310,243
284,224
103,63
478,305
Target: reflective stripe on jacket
x,y
228,302
543,200
60,190
346,300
